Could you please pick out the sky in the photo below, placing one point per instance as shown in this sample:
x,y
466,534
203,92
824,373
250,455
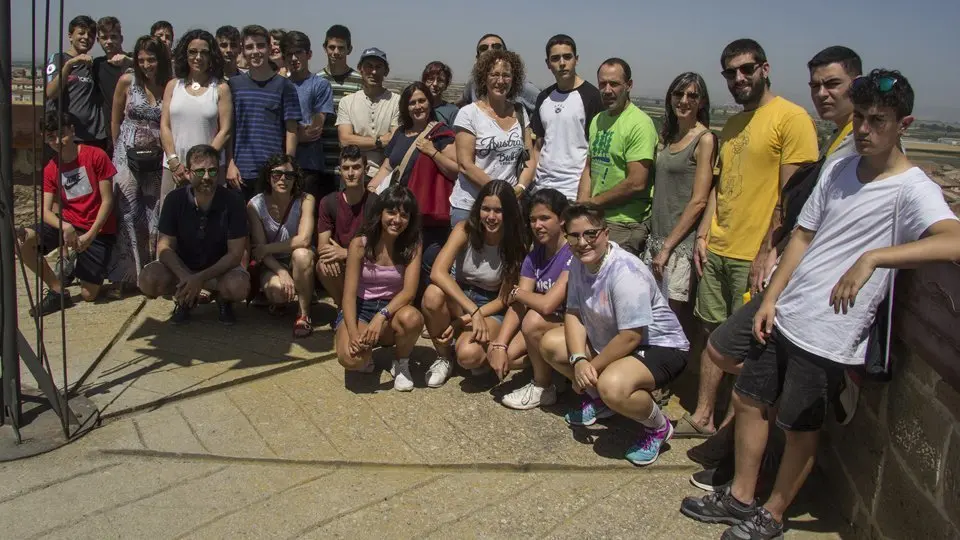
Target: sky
x,y
658,39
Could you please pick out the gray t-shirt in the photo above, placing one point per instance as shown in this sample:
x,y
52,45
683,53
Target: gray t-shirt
x,y
81,98
480,268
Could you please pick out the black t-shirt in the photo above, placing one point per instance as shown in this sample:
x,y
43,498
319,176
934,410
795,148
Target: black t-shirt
x,y
107,77
401,142
202,236
81,98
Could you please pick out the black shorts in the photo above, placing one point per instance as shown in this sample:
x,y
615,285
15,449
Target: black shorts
x,y
734,337
665,363
802,382
91,264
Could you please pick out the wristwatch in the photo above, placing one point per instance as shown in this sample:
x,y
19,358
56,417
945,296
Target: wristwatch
x,y
576,357
379,143
385,312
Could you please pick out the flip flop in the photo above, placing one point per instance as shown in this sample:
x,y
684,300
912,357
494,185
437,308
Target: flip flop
x,y
688,428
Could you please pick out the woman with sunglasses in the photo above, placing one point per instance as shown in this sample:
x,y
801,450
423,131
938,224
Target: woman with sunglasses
x,y
493,133
380,281
136,130
619,339
198,107
684,173
488,250
281,219
536,303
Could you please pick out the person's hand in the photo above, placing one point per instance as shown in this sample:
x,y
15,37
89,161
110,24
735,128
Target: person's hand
x,y
481,334
79,59
585,374
179,171
371,335
519,190
84,241
844,293
329,269
497,357
760,269
700,255
308,133
426,147
660,262
70,238
456,325
233,176
356,346
119,59
331,253
188,289
287,286
763,320
258,252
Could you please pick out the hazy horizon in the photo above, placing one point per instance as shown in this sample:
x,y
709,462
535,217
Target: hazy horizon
x,y
659,41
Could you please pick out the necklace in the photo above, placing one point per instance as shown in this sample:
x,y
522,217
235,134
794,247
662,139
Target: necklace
x,y
194,86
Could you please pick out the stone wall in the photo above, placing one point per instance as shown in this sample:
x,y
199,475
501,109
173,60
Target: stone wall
x,y
895,468
24,131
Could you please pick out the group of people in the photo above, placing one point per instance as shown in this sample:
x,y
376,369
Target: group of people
x,y
555,229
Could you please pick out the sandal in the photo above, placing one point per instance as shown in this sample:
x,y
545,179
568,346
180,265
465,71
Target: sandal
x,y
303,327
688,428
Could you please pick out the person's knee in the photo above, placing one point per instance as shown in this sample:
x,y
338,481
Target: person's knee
x,y
613,389
89,291
470,356
744,404
728,364
274,293
350,363
433,299
234,286
302,260
155,280
533,326
409,320
553,346
28,239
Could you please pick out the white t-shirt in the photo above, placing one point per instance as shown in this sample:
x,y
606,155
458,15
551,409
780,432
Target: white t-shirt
x,y
562,120
851,218
496,152
622,295
370,118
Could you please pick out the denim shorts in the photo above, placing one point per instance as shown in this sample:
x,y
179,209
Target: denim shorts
x,y
366,310
457,215
481,297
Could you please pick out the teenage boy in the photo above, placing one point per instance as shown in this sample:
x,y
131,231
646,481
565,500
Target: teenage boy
x,y
344,80
72,75
561,121
868,214
80,182
619,340
623,145
163,31
228,41
316,102
203,234
108,69
369,118
266,113
341,214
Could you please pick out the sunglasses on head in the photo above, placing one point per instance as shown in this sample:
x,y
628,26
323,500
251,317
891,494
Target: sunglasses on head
x,y
747,69
277,174
483,48
679,95
884,84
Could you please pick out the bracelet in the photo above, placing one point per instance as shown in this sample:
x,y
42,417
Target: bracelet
x,y
514,291
385,312
521,186
476,311
498,346
434,155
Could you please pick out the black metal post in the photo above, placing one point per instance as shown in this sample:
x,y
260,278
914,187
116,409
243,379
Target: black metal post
x,y
8,288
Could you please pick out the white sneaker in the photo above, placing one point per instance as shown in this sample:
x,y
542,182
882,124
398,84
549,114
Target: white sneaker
x,y
438,373
530,396
402,380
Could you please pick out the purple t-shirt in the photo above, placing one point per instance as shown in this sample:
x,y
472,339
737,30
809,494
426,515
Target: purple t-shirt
x,y
543,271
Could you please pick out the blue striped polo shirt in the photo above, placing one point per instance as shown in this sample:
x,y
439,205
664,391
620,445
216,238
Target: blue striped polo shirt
x,y
260,112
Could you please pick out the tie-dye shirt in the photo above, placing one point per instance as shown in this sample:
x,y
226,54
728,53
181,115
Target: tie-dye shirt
x,y
622,295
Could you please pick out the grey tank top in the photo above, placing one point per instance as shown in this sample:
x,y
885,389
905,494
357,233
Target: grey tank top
x,y
270,226
480,268
675,175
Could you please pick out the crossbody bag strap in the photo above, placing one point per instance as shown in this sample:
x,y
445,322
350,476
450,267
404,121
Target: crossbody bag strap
x,y
398,172
283,220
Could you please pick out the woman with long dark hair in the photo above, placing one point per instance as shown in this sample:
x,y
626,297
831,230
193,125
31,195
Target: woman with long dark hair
x,y
684,173
197,106
137,157
488,249
282,218
380,281
437,76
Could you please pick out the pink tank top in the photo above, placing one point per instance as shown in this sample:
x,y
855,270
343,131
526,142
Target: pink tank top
x,y
379,281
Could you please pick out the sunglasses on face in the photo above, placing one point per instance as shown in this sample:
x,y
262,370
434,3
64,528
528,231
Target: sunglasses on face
x,y
589,236
277,174
679,95
209,173
484,48
883,84
747,69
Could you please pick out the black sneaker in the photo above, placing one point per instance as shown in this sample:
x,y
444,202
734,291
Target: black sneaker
x,y
717,507
50,303
716,449
226,313
761,526
713,479
181,314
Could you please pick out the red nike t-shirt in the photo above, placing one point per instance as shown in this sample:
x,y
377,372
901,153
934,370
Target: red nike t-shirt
x,y
79,182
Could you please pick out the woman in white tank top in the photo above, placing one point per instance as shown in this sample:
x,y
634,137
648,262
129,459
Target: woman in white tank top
x,y
197,106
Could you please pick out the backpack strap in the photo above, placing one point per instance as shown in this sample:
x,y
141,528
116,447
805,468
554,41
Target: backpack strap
x,y
397,174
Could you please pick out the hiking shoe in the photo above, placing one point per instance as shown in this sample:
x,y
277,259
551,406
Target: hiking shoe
x,y
589,411
845,404
402,380
647,448
713,479
181,313
530,396
226,313
718,507
50,303
761,526
438,373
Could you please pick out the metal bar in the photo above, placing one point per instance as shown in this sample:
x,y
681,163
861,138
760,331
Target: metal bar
x,y
62,252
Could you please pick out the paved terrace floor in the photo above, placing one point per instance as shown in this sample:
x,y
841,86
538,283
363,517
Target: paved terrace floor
x,y
214,432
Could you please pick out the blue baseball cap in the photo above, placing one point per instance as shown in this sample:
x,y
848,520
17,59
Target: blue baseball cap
x,y
374,52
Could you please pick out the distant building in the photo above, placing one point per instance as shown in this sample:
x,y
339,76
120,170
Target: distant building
x,y
949,140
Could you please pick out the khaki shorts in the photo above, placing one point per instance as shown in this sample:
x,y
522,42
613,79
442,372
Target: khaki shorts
x,y
721,288
677,275
630,236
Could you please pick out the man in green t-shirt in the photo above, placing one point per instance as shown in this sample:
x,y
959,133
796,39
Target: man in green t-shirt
x,y
623,143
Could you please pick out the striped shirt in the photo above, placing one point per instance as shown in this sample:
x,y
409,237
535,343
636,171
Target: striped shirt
x,y
260,112
342,85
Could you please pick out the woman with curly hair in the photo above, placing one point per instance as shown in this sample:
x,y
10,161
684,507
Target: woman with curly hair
x,y
197,106
437,77
380,281
488,249
493,135
281,220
